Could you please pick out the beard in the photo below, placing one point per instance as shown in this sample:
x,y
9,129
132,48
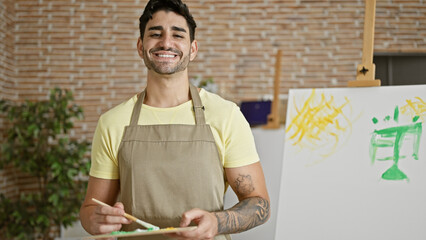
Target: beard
x,y
166,68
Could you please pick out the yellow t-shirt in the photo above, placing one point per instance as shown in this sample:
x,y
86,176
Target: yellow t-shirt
x,y
230,129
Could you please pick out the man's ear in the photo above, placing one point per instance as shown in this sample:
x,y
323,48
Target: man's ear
x,y
139,46
194,49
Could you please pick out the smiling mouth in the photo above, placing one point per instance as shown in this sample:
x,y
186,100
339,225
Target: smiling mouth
x,y
165,55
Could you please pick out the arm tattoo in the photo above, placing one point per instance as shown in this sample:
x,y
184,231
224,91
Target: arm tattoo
x,y
247,214
244,185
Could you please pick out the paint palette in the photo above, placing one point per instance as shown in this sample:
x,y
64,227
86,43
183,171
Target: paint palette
x,y
121,234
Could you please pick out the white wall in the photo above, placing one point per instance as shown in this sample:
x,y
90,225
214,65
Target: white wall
x,y
270,146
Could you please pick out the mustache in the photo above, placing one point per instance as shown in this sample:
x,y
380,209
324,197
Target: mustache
x,y
169,50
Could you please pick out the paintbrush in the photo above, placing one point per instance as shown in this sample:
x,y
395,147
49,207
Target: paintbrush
x,y
145,224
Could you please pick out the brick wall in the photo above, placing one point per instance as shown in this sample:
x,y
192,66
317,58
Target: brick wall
x,y
8,180
6,48
88,46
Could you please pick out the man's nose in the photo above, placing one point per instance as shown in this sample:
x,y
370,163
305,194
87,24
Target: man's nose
x,y
166,41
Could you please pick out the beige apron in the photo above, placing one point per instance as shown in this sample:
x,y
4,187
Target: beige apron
x,y
168,169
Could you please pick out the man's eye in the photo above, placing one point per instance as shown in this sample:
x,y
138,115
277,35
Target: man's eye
x,y
178,36
155,35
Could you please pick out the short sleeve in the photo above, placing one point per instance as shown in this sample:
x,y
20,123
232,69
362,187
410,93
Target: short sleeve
x,y
104,162
240,148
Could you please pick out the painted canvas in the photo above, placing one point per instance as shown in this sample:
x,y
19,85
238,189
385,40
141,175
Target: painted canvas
x,y
354,164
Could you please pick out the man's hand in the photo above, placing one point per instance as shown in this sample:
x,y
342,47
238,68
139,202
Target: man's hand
x,y
206,225
97,219
106,219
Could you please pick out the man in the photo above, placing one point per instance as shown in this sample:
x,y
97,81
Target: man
x,y
168,153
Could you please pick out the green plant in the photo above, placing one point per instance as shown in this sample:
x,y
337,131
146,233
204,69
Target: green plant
x,y
37,143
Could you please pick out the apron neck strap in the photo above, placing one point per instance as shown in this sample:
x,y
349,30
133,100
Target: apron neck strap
x,y
137,109
198,107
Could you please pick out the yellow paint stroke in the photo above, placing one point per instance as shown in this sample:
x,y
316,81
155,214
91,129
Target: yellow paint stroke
x,y
416,107
319,123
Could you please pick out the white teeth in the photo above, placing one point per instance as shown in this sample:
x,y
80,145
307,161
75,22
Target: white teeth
x,y
166,56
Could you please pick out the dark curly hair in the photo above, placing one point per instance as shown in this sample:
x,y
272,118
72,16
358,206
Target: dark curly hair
x,y
176,6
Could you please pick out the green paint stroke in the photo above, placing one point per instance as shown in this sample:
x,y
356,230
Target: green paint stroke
x,y
389,158
394,173
119,232
387,118
394,137
416,118
127,232
396,114
375,120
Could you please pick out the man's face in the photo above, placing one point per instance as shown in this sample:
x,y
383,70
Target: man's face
x,y
166,47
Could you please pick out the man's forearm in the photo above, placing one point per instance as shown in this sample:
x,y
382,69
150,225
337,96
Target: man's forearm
x,y
247,214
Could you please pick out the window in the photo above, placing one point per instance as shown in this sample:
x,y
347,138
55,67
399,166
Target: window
x,y
400,68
